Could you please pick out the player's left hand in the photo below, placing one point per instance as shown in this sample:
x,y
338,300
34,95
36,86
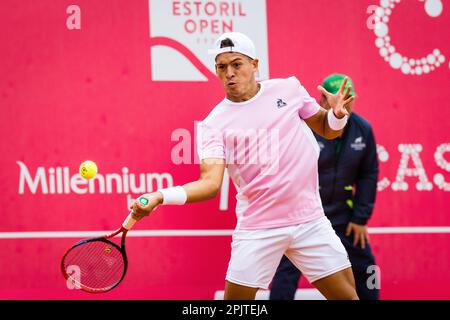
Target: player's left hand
x,y
360,234
341,102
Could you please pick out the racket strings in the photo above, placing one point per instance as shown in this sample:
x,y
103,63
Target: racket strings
x,y
100,265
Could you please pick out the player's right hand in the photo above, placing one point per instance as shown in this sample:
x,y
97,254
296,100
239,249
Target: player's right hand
x,y
139,210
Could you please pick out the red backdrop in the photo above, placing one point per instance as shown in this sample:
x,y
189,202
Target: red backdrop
x,y
67,95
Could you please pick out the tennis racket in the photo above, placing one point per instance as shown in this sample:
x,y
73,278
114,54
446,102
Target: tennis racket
x,y
98,265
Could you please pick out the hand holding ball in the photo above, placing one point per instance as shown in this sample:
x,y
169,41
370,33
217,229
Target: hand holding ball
x,y
88,169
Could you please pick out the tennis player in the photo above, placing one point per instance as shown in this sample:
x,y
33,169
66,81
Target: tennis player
x,y
261,132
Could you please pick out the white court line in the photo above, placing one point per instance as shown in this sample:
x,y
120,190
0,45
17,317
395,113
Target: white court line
x,y
391,230
135,233
190,233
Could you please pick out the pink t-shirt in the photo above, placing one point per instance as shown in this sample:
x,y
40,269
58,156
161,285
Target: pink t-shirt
x,y
271,154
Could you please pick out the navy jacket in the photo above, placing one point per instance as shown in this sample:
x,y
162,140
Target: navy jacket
x,y
348,173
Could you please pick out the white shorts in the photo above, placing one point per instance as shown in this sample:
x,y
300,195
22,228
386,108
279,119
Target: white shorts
x,y
313,247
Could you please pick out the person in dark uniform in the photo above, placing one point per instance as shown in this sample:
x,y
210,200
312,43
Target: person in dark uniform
x,y
348,175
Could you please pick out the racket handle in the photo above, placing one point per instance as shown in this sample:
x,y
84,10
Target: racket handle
x,y
129,222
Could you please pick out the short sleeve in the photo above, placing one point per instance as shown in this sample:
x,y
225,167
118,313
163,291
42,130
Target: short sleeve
x,y
308,106
209,142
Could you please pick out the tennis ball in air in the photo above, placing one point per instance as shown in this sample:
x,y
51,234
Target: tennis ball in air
x,y
88,169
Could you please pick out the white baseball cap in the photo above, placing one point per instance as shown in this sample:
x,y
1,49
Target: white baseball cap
x,y
239,42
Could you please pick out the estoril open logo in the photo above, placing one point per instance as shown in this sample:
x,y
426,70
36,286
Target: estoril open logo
x,y
379,22
181,32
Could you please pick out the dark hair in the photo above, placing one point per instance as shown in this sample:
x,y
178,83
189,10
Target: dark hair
x,y
226,43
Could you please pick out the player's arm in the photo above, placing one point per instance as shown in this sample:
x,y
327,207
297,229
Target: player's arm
x,y
329,124
319,124
209,183
206,187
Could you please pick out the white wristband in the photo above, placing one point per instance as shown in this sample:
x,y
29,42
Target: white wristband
x,y
174,195
335,123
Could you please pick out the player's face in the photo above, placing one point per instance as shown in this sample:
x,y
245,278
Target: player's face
x,y
237,73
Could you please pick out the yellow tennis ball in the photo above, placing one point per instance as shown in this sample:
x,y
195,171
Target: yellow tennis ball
x,y
88,169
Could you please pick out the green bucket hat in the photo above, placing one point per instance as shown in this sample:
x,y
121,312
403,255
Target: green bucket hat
x,y
333,82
